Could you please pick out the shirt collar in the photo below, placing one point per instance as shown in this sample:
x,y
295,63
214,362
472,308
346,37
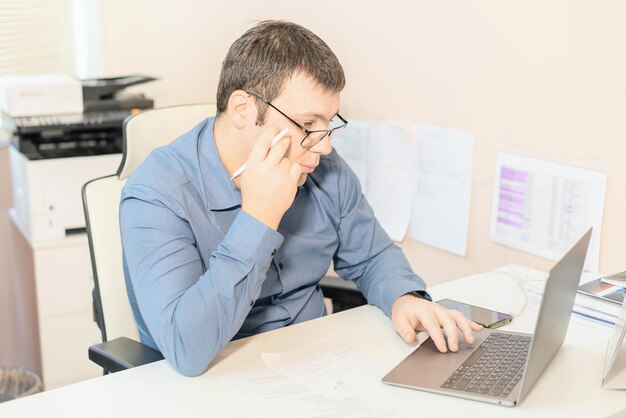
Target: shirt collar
x,y
220,191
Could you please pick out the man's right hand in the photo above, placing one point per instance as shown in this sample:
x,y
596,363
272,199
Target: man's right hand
x,y
269,182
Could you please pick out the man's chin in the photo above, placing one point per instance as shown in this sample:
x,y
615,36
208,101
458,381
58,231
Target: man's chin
x,y
302,179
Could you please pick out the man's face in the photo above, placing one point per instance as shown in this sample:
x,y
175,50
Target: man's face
x,y
309,104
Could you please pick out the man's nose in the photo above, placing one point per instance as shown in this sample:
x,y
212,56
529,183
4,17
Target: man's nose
x,y
324,147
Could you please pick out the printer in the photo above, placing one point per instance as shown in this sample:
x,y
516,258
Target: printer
x,y
67,139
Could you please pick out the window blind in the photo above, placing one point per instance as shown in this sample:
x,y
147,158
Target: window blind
x,y
36,37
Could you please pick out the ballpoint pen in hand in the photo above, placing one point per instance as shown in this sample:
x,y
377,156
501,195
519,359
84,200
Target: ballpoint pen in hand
x,y
277,138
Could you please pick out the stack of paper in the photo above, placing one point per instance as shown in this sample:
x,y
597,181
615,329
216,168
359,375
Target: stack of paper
x,y
588,310
600,299
596,311
616,279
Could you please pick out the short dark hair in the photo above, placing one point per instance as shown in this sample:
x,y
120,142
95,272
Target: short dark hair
x,y
267,55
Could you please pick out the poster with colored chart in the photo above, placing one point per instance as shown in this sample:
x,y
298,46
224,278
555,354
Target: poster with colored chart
x,y
542,207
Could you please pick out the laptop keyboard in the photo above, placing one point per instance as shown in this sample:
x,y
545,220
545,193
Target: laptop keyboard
x,y
494,368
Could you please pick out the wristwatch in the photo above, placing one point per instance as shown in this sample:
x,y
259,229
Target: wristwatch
x,y
420,294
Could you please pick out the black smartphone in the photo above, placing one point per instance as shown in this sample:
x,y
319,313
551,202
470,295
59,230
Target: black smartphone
x,y
485,317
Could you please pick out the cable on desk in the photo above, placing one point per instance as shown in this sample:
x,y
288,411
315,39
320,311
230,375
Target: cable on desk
x,y
521,283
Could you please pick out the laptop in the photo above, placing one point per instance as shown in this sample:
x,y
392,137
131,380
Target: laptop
x,y
501,367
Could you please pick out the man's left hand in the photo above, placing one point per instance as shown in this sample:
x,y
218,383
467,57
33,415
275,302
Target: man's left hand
x,y
410,313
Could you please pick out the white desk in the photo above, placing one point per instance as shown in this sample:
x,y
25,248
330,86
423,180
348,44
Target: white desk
x,y
570,387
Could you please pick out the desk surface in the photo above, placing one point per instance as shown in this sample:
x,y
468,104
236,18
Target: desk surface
x,y
570,387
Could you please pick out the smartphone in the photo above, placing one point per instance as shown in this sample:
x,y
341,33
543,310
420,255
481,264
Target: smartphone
x,y
485,317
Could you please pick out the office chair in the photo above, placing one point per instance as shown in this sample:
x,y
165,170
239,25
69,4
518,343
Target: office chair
x,y
143,132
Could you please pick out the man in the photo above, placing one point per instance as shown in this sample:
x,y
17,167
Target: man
x,y
209,258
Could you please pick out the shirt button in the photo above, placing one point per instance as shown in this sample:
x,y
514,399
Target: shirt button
x,y
251,303
280,266
274,252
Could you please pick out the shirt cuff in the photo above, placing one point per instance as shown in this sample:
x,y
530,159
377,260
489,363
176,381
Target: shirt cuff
x,y
397,289
252,240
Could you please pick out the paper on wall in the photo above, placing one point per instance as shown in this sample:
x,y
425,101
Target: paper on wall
x,y
352,143
380,155
443,173
389,182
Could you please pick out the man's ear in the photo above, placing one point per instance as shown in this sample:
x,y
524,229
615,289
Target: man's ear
x,y
241,110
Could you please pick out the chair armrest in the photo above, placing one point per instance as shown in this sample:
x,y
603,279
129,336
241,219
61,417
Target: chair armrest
x,y
122,353
343,296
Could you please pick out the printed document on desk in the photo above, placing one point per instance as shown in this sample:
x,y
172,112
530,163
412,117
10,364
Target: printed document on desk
x,y
443,171
319,379
380,155
543,207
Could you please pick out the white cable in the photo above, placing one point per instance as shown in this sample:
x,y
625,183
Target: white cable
x,y
521,284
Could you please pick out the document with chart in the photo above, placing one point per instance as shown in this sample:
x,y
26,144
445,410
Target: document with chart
x,y
542,207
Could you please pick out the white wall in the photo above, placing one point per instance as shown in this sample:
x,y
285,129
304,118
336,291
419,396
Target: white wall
x,y
542,77
19,336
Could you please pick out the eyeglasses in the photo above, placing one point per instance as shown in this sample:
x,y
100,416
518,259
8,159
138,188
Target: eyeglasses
x,y
311,138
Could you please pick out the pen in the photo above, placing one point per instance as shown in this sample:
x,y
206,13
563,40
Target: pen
x,y
277,138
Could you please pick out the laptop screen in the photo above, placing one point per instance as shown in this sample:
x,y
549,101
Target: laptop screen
x,y
555,312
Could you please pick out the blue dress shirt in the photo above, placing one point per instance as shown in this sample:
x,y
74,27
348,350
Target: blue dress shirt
x,y
200,271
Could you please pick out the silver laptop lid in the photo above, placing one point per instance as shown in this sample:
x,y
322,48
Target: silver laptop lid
x,y
555,312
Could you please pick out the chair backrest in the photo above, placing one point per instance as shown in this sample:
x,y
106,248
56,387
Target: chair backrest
x,y
153,128
101,197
